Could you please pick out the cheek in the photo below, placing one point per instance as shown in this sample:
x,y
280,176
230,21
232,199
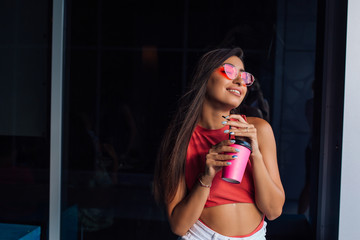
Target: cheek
x,y
213,85
211,91
245,89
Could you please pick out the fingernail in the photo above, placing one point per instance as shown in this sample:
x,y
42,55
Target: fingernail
x,y
227,116
233,141
234,156
228,163
226,131
231,133
238,150
224,122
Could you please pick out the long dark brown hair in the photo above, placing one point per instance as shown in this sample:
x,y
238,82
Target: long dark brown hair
x,y
170,164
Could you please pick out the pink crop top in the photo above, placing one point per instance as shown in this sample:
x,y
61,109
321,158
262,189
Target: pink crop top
x,y
221,192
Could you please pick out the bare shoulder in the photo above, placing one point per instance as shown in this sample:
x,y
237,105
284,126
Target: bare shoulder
x,y
264,132
259,123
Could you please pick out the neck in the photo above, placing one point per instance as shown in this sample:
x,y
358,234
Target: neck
x,y
212,118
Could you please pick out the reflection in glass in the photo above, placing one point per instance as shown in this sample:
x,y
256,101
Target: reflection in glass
x,y
126,67
24,114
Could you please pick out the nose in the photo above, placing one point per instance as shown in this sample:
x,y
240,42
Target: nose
x,y
239,81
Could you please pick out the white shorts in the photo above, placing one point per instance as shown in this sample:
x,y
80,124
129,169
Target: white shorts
x,y
200,231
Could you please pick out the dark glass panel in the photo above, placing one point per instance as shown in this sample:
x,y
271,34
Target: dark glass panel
x,y
127,65
25,113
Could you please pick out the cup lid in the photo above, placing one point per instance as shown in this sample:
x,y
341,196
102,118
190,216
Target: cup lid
x,y
243,143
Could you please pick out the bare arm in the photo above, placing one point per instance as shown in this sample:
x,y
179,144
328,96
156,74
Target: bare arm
x,y
269,192
185,209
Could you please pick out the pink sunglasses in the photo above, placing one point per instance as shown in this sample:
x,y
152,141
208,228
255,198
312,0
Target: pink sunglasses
x,y
232,73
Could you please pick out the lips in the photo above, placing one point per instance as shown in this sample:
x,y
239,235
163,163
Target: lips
x,y
234,91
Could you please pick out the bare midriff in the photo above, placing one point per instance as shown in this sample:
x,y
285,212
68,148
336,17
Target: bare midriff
x,y
236,219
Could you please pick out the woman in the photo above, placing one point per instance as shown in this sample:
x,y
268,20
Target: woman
x,y
199,204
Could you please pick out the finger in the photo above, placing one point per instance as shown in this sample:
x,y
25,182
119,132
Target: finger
x,y
218,147
236,124
249,129
224,157
244,127
250,132
243,131
228,149
224,149
220,157
221,163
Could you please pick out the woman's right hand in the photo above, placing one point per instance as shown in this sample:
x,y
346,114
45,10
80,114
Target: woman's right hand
x,y
216,159
186,207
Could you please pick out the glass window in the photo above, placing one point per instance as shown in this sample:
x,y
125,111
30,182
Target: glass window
x,y
128,63
25,50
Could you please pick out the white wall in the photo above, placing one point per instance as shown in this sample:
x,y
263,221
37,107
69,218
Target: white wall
x,y
349,227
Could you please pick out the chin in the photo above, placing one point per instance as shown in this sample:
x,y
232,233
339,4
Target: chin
x,y
233,105
237,103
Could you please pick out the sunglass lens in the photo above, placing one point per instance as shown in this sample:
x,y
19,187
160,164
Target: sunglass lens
x,y
248,78
230,71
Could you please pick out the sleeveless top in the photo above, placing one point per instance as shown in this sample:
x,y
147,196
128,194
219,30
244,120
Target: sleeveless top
x,y
221,192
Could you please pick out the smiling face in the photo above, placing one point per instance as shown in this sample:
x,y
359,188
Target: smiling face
x,y
222,92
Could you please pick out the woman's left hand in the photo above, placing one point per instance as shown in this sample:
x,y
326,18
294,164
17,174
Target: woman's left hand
x,y
269,192
240,128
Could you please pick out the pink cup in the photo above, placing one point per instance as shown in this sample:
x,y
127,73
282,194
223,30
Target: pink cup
x,y
235,172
